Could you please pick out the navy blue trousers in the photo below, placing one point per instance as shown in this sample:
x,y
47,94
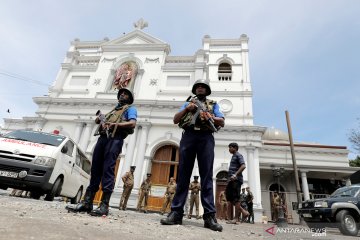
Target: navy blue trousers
x,y
193,144
103,164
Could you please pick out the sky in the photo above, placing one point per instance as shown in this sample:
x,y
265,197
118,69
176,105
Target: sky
x,y
304,55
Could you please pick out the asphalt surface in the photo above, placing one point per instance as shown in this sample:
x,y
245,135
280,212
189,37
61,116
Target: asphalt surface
x,y
24,218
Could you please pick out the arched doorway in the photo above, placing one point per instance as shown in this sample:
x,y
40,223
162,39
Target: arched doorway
x,y
275,188
221,182
164,165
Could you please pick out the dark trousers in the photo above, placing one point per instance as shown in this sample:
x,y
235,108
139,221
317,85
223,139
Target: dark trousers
x,y
251,212
103,164
201,144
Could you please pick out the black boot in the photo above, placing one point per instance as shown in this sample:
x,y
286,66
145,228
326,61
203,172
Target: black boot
x,y
211,222
86,205
172,219
103,209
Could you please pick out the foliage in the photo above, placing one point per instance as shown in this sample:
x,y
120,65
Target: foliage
x,y
355,162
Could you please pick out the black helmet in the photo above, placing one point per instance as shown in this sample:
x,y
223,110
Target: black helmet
x,y
131,97
203,82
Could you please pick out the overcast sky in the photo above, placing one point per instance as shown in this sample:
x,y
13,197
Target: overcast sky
x,y
304,55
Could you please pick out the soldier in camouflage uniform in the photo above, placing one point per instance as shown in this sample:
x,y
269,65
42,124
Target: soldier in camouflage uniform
x,y
169,194
194,197
223,205
128,180
144,193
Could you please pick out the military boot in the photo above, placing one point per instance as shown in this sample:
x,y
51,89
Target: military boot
x,y
211,223
103,209
172,219
86,205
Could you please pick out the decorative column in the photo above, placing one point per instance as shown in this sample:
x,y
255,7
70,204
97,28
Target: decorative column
x,y
145,127
85,137
78,130
254,175
129,152
305,186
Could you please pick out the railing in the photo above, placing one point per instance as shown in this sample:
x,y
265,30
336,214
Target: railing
x,y
224,76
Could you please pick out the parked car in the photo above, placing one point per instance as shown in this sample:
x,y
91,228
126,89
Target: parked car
x,y
43,163
341,209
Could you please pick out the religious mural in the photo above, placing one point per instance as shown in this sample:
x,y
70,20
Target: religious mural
x,y
125,75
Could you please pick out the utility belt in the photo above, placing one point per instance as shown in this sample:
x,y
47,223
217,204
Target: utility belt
x,y
197,129
194,193
118,134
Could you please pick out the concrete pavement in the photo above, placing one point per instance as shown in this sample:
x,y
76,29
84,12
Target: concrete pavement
x,y
24,218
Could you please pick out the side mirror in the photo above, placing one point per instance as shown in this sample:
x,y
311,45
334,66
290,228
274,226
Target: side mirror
x,y
64,149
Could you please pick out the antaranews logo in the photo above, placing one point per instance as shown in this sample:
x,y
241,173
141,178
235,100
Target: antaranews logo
x,y
271,230
313,231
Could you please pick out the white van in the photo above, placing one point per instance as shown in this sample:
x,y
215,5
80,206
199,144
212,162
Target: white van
x,y
43,163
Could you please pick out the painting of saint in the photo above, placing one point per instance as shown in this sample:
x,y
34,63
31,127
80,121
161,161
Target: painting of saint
x,y
125,75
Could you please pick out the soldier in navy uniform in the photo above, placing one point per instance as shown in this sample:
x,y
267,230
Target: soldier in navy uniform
x,y
197,141
117,124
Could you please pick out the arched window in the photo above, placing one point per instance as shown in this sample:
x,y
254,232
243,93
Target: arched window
x,y
224,72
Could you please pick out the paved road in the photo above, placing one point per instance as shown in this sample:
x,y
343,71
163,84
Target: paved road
x,y
24,218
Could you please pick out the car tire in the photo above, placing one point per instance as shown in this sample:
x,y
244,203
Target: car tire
x,y
347,223
318,227
77,198
55,190
35,195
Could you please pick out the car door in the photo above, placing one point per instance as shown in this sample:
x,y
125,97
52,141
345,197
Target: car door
x,y
68,164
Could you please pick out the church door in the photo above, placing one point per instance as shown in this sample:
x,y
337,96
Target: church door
x,y
164,166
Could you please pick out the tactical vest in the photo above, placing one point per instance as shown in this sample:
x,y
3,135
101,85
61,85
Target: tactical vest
x,y
200,123
116,116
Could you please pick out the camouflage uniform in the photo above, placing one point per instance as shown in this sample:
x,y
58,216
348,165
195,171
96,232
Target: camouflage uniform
x,y
224,205
144,194
169,195
194,197
128,180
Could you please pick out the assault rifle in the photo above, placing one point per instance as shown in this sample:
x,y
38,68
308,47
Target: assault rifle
x,y
102,119
200,108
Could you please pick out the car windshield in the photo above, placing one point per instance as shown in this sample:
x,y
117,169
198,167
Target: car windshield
x,y
36,137
346,192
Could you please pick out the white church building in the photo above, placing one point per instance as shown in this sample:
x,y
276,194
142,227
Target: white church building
x,y
161,83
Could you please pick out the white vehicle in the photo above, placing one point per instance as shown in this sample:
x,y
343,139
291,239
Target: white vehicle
x,y
43,163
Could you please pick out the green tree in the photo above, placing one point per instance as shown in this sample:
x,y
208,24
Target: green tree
x,y
355,162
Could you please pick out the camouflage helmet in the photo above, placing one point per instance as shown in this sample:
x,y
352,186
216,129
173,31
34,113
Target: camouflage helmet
x,y
131,97
203,82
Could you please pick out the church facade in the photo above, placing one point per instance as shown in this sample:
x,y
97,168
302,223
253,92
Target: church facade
x,y
161,83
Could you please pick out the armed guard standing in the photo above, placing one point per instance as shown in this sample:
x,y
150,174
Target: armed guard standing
x,y
128,180
200,118
169,194
223,205
145,189
114,128
249,199
194,197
